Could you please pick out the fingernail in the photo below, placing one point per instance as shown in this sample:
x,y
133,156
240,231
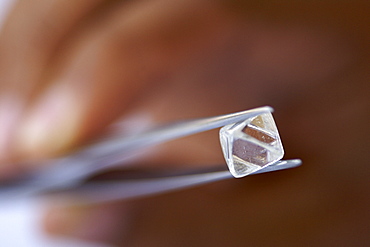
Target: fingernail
x,y
51,125
65,220
97,222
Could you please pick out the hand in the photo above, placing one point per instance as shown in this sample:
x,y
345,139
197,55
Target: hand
x,y
69,69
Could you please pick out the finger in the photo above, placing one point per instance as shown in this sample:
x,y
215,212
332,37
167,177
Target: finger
x,y
31,36
130,52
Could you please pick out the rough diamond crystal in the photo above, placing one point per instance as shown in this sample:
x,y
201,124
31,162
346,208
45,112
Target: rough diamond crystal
x,y
251,145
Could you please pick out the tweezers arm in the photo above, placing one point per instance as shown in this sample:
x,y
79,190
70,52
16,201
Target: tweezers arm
x,y
167,133
98,192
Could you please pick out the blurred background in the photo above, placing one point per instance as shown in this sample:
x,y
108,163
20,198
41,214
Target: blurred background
x,y
174,60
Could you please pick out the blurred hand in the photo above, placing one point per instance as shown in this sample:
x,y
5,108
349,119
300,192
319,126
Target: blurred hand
x,y
68,69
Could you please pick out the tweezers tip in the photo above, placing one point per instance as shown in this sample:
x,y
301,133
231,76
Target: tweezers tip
x,y
263,109
269,108
290,163
296,162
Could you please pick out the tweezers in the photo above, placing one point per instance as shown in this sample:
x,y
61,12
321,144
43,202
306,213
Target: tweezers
x,y
70,175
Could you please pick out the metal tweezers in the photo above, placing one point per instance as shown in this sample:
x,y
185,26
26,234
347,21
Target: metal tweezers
x,y
70,175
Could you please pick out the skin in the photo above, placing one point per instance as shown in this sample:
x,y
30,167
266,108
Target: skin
x,y
78,66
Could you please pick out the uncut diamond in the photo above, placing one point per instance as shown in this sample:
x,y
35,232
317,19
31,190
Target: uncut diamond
x,y
251,145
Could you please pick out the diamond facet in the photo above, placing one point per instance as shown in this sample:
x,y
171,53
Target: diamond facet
x,y
251,145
